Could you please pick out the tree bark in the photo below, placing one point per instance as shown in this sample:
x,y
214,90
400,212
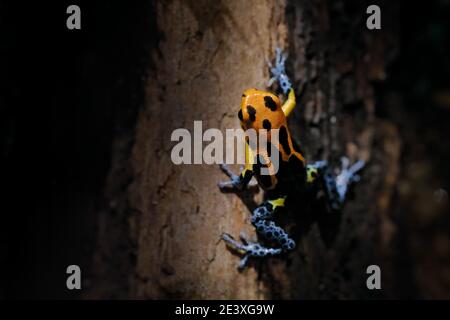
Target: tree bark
x,y
170,218
209,53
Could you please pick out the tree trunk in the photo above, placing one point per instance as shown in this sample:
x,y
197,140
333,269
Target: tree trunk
x,y
209,53
159,237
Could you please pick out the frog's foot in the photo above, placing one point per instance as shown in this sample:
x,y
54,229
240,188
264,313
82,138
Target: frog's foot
x,y
279,71
347,175
248,249
235,182
337,187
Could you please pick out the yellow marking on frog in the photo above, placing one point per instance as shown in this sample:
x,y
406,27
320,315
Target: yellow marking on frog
x,y
290,103
310,178
249,160
277,203
235,248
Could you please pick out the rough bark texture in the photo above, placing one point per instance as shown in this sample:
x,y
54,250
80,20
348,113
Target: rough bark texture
x,y
334,62
179,212
208,53
159,232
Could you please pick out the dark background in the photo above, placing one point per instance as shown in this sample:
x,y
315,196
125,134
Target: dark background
x,y
66,93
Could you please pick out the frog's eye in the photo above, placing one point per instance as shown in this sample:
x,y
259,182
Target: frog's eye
x,y
240,115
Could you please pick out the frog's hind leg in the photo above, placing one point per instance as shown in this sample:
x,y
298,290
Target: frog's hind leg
x,y
266,229
248,249
337,187
261,219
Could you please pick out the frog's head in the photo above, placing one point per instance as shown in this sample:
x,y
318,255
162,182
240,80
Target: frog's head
x,y
260,110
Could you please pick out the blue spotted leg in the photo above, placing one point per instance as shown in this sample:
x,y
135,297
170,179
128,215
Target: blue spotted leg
x,y
236,182
337,187
248,249
279,71
268,230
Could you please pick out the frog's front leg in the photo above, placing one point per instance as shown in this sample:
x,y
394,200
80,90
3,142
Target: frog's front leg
x,y
279,71
279,75
236,182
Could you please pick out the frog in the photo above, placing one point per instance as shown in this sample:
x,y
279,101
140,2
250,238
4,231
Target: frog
x,y
262,110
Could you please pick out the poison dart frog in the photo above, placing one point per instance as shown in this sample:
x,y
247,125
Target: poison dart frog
x,y
262,110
